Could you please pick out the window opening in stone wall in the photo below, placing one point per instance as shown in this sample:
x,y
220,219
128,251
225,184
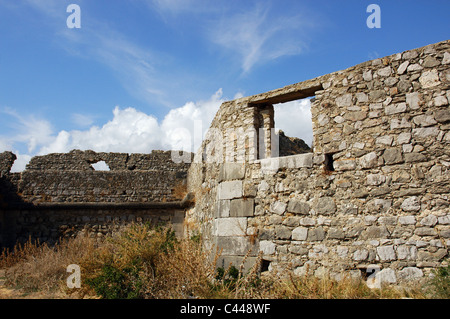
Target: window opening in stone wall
x,y
293,124
265,265
100,166
329,163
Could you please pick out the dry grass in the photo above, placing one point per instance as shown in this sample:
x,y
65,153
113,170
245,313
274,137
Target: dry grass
x,y
145,262
39,267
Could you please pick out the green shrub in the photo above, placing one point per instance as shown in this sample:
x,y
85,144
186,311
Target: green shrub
x,y
440,283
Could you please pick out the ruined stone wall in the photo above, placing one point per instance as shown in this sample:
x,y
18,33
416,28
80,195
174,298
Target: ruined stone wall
x,y
374,193
60,195
71,178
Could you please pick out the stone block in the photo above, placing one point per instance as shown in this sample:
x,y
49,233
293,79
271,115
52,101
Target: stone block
x,y
411,204
407,220
442,116
385,276
232,226
360,254
344,164
239,246
316,234
267,247
429,79
278,207
429,220
392,156
298,207
230,189
242,207
369,160
334,233
406,252
386,253
247,262
282,232
410,274
223,208
325,205
300,233
231,171
425,231
395,109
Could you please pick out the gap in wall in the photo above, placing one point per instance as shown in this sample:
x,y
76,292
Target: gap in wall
x,y
294,120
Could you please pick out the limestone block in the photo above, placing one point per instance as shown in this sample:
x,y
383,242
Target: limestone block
x,y
360,254
375,179
385,276
369,160
386,253
414,100
231,171
425,231
344,100
429,79
223,208
335,233
407,220
402,68
232,226
239,246
395,108
429,220
410,273
406,252
442,116
242,207
404,138
424,120
392,156
267,247
411,204
344,164
300,233
278,207
325,205
316,234
230,190
298,207
282,232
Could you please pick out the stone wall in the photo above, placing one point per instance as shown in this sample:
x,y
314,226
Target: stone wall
x,y
374,192
62,195
70,177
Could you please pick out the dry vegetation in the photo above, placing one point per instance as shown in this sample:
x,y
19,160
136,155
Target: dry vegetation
x,y
147,262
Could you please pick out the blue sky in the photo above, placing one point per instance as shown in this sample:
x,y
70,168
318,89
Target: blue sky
x,y
138,72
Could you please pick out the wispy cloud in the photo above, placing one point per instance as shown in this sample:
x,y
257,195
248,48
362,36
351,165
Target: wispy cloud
x,y
28,129
258,35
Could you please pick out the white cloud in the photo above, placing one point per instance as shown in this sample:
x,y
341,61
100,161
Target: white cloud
x,y
132,131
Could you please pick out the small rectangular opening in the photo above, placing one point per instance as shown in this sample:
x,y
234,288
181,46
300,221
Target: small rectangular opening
x,y
329,163
265,265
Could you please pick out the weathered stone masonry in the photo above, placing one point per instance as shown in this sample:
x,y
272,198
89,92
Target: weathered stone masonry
x,y
374,192
61,195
